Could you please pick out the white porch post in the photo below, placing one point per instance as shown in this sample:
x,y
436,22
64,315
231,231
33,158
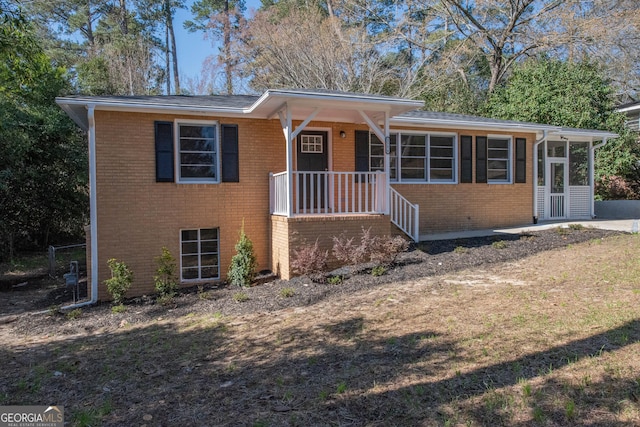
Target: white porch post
x,y
286,123
290,135
383,135
535,173
387,164
592,173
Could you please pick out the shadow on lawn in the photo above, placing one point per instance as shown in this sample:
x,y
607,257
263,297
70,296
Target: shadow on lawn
x,y
327,374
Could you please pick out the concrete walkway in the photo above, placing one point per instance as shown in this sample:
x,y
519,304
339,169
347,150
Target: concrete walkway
x,y
624,225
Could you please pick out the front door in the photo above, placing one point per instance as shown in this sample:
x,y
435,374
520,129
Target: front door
x,y
312,156
557,183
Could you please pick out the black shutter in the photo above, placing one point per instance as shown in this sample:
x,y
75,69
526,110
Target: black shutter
x,y
362,151
466,159
164,151
521,160
230,158
481,159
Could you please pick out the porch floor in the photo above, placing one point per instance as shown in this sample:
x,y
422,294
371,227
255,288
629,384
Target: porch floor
x,y
624,225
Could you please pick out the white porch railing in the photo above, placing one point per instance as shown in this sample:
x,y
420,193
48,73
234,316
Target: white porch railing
x,y
325,192
405,215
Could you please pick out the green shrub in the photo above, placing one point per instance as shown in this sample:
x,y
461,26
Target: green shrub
x,y
240,297
499,244
378,270
335,280
118,308
120,281
166,280
243,264
287,292
74,314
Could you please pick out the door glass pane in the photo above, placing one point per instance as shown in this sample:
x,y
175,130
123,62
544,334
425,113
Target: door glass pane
x,y
556,149
557,177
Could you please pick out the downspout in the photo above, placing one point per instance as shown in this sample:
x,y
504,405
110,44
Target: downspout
x,y
93,212
592,174
535,175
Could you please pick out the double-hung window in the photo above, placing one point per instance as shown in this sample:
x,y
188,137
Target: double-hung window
x,y
198,151
498,159
199,254
376,158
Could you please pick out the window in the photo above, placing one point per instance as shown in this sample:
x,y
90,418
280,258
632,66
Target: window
x,y
311,143
556,149
498,160
441,158
197,159
199,254
419,157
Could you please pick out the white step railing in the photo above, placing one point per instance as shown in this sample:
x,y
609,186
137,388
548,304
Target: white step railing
x,y
325,192
405,215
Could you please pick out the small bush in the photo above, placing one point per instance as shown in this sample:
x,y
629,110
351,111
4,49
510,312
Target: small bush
x,y
460,250
243,264
308,260
118,308
385,249
378,270
576,227
499,244
240,297
335,280
287,292
120,281
74,314
166,281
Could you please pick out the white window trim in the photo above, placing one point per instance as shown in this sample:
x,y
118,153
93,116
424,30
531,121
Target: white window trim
x,y
427,180
176,147
199,255
510,162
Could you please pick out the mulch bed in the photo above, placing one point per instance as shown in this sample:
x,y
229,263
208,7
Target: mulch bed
x,y
422,260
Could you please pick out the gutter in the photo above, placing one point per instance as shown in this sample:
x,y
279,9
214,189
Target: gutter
x,y
93,212
535,175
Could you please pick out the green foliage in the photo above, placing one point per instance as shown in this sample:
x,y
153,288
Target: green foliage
x,y
165,280
287,292
554,92
378,270
335,280
240,297
120,308
43,159
120,281
74,314
243,264
499,244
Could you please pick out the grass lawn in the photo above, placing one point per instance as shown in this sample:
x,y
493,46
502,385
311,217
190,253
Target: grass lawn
x,y
549,340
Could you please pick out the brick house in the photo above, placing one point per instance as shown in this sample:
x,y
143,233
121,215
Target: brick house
x,y
299,165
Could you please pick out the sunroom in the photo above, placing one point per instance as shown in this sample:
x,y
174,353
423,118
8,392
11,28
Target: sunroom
x,y
564,170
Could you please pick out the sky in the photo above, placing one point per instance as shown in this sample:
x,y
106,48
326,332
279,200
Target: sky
x,y
192,48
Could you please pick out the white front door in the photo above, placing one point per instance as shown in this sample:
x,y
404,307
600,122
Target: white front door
x,y
557,188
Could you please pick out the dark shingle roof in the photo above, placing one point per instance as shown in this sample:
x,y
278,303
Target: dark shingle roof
x,y
221,101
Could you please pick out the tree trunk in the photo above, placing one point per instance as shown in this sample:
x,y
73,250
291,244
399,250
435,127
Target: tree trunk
x,y
90,38
227,48
174,51
166,58
124,25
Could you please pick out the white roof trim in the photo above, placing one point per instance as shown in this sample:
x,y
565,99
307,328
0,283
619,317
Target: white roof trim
x,y
466,124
